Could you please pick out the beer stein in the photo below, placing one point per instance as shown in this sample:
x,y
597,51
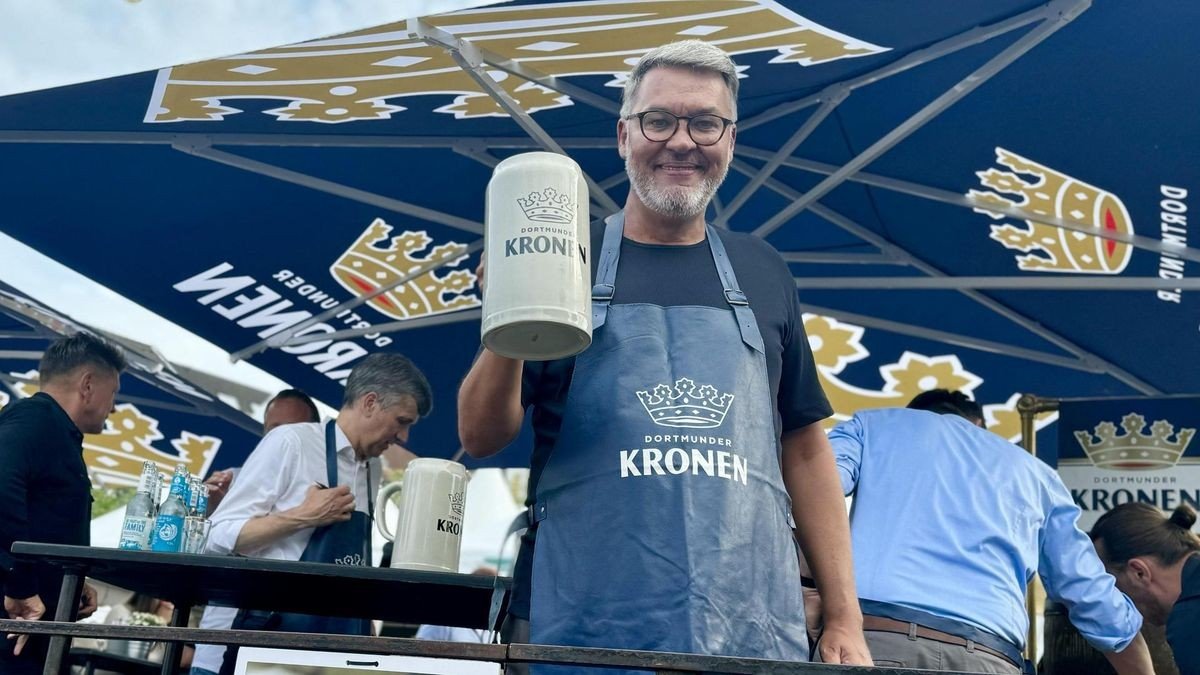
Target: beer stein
x,y
428,534
538,303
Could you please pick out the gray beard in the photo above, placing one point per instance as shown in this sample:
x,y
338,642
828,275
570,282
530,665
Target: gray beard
x,y
677,202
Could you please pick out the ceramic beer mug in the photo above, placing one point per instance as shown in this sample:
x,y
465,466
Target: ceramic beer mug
x,y
428,532
538,302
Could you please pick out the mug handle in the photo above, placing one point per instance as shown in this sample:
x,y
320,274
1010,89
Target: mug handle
x,y
385,493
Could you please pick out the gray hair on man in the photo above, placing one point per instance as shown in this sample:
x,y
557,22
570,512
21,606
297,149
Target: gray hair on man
x,y
391,377
694,54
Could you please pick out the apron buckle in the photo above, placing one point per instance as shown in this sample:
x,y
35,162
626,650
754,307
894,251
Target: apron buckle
x,y
735,297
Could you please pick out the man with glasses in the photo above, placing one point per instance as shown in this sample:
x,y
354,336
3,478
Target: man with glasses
x,y
673,457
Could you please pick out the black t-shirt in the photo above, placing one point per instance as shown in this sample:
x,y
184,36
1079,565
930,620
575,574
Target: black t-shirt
x,y
1183,624
45,492
685,275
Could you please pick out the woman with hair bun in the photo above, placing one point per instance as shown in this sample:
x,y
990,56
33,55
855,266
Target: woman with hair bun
x,y
1156,562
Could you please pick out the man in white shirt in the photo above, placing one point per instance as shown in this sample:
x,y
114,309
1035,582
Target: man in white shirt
x,y
289,406
290,503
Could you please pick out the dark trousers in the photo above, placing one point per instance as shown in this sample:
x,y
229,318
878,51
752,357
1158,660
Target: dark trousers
x,y
515,629
32,659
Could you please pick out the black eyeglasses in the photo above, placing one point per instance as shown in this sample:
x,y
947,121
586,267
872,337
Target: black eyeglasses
x,y
658,126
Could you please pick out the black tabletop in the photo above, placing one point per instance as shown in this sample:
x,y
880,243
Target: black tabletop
x,y
403,596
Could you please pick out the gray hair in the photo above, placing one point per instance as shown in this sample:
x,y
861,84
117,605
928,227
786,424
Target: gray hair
x,y
391,377
694,54
66,354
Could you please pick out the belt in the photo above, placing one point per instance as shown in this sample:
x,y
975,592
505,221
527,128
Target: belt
x,y
914,630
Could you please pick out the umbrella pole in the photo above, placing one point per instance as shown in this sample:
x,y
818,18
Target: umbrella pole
x,y
1029,406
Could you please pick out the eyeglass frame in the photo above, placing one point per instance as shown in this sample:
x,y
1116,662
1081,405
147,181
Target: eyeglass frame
x,y
726,123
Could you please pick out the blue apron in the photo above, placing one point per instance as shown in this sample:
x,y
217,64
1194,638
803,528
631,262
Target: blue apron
x,y
345,543
663,523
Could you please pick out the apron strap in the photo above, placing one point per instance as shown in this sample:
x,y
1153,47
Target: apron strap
x,y
494,617
369,540
606,277
331,469
520,523
370,492
733,293
606,272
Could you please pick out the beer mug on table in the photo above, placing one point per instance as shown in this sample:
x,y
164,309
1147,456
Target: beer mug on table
x,y
433,497
538,304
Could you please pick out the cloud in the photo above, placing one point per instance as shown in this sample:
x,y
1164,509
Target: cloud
x,y
49,43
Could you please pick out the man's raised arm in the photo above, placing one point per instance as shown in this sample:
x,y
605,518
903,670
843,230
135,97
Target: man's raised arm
x,y
489,404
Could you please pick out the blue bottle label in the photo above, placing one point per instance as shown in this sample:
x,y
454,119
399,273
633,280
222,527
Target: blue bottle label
x,y
168,534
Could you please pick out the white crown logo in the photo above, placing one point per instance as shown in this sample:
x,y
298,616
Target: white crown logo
x,y
457,502
686,405
1135,450
548,206
355,559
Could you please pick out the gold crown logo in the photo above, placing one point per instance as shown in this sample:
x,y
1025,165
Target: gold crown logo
x,y
1054,194
365,267
362,76
548,206
115,455
1135,450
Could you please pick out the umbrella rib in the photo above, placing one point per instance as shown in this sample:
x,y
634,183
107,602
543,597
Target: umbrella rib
x,y
514,67
23,354
937,50
30,334
468,57
835,258
954,339
1063,13
904,256
391,327
174,407
955,199
614,180
831,98
328,186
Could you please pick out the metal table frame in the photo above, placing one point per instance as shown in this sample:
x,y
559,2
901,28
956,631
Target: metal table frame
x,y
464,600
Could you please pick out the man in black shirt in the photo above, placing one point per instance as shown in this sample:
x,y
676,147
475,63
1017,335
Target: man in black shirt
x,y
45,492
639,547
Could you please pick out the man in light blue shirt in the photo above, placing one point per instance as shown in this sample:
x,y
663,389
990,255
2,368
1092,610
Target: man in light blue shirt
x,y
949,523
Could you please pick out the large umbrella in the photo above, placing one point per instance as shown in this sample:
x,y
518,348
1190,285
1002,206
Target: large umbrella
x,y
983,195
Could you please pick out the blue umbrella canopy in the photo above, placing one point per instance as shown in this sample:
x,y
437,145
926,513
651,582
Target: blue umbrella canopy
x,y
983,195
160,416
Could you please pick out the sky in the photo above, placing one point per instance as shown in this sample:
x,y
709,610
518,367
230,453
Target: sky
x,y
49,43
